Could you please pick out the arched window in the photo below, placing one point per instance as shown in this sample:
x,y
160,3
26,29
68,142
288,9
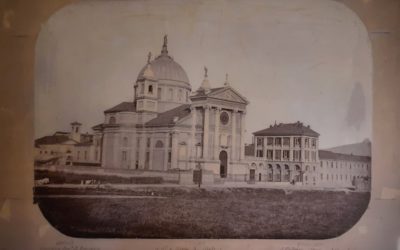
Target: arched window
x,y
159,144
125,142
278,174
270,173
286,173
112,120
150,89
297,176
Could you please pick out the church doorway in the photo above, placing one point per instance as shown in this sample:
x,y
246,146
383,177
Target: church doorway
x,y
223,167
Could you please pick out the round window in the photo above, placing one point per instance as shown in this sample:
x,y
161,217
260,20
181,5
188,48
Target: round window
x,y
224,117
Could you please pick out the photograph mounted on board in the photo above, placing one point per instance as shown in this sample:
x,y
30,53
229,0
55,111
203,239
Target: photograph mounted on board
x,y
240,120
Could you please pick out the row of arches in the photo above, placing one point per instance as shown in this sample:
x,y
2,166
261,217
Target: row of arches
x,y
277,172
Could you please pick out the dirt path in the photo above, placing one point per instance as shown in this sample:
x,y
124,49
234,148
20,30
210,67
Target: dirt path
x,y
99,196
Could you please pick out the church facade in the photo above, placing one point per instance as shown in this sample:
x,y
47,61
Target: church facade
x,y
167,126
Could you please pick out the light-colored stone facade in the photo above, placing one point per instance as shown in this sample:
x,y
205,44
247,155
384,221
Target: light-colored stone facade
x,y
69,148
169,127
289,154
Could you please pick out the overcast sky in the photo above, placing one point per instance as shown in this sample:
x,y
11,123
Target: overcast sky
x,y
300,60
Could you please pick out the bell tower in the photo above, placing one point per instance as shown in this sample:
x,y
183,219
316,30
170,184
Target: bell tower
x,y
75,131
146,88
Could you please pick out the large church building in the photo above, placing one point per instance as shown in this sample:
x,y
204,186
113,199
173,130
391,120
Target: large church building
x,y
169,127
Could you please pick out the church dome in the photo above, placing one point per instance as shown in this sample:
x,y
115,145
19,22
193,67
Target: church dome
x,y
165,68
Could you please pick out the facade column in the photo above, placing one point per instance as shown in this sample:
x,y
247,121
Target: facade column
x,y
291,150
174,150
132,150
233,151
151,149
216,133
255,145
166,150
117,152
206,131
302,146
192,148
104,147
242,131
291,171
142,150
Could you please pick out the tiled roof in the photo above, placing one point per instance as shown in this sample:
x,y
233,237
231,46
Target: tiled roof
x,y
123,106
98,126
86,138
167,118
328,155
51,139
249,150
61,133
286,129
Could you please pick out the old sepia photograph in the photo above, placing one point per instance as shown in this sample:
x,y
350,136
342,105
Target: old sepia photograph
x,y
251,121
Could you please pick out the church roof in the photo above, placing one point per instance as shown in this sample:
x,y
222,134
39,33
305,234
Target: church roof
x,y
225,93
329,155
170,117
98,126
287,129
51,139
123,106
203,93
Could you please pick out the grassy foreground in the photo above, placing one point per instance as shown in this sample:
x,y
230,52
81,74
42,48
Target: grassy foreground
x,y
205,213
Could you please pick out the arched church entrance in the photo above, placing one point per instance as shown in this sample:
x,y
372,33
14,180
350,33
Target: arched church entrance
x,y
223,165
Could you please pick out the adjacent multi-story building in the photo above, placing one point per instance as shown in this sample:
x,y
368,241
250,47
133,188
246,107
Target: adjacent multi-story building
x,y
289,153
68,148
288,149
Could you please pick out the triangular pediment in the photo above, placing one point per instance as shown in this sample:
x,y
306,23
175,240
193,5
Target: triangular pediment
x,y
228,94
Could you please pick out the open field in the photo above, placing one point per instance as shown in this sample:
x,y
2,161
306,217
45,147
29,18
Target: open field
x,y
210,212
